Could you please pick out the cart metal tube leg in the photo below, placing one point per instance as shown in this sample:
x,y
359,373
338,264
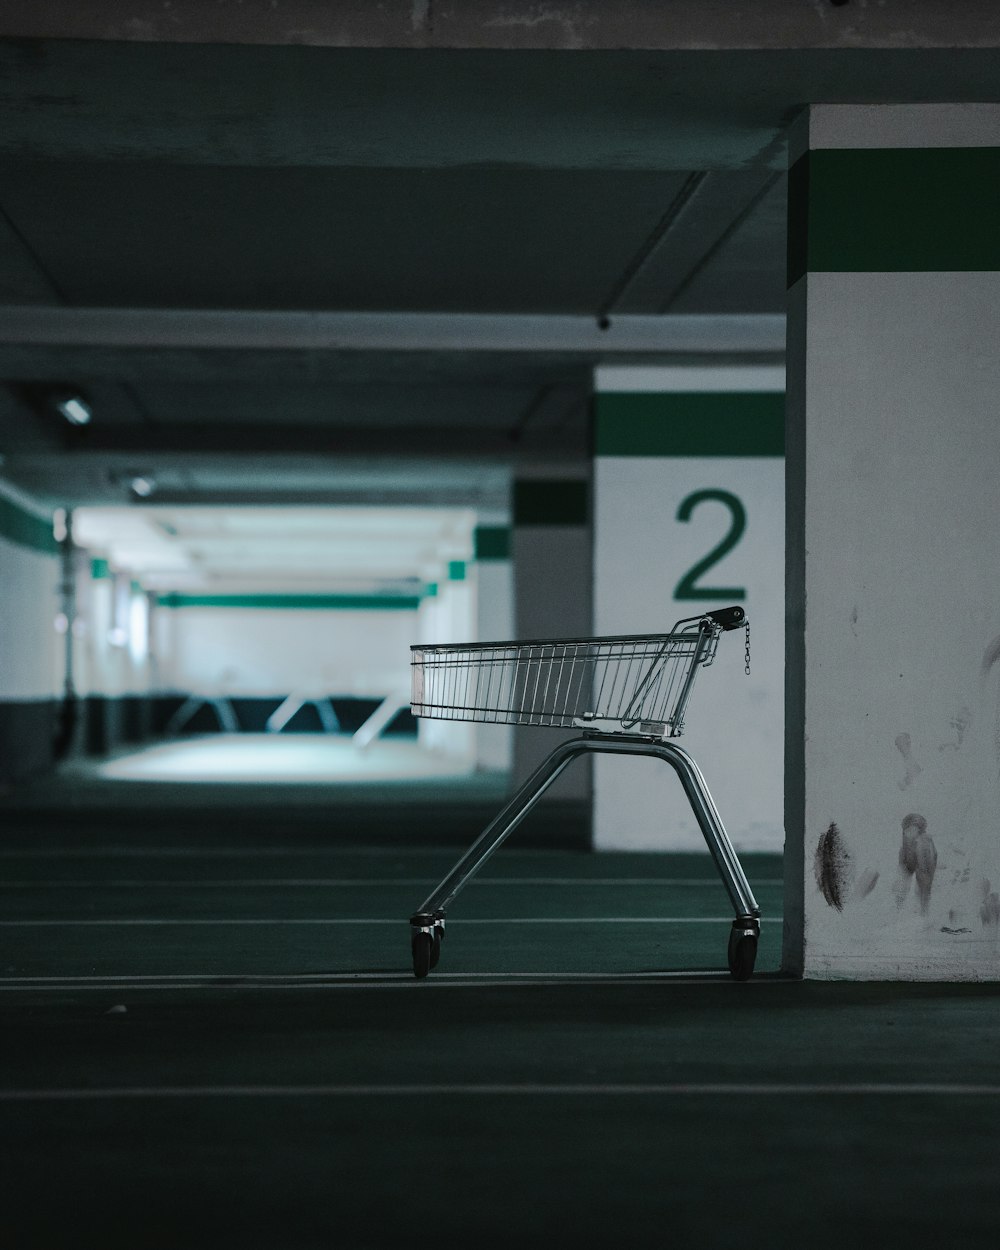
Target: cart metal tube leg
x,y
428,923
707,814
690,776
496,832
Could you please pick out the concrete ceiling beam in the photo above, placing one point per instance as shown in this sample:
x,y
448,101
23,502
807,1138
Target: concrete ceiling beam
x,y
261,331
561,24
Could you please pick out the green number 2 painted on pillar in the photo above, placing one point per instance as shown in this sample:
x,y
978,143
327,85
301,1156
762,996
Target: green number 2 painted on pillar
x,y
687,587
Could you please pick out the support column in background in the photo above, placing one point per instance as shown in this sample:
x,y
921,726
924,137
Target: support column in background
x,y
494,582
689,517
447,615
552,594
31,670
106,662
893,749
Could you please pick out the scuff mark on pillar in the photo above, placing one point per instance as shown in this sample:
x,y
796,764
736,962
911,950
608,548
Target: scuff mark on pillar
x,y
421,19
989,912
904,746
834,867
917,860
992,654
570,20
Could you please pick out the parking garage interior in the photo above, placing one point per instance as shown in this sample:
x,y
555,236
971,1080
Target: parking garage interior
x,y
330,331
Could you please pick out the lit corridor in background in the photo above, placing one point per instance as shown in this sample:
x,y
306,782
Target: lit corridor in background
x,y
269,759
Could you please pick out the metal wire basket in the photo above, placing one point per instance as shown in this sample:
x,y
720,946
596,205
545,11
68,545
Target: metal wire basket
x,y
640,683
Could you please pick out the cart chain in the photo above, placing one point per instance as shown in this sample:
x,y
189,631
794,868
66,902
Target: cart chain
x,y
747,665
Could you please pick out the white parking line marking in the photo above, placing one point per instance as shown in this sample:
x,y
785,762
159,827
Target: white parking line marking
x,y
342,980
162,922
596,1089
399,851
351,882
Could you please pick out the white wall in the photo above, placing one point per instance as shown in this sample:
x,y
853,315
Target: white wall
x,y
30,648
447,617
274,651
108,668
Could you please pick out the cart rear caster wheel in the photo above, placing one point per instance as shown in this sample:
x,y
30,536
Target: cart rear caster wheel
x,y
436,946
742,955
422,945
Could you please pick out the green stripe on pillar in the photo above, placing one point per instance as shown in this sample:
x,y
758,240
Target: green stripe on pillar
x,y
894,210
690,423
456,571
339,603
558,502
25,529
99,569
492,542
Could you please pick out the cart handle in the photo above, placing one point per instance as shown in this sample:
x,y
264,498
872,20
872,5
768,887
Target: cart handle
x,y
728,618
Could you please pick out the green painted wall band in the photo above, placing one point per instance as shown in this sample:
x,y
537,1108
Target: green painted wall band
x,y
337,603
491,542
697,423
894,210
99,569
25,529
559,502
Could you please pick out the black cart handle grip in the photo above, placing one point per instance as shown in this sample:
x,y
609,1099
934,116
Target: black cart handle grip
x,y
728,618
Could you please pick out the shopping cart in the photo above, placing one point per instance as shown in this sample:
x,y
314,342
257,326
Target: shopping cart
x,y
628,696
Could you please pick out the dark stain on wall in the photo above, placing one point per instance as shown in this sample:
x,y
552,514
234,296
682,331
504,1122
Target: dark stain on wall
x,y
989,912
917,862
960,723
866,883
991,655
990,658
904,746
834,867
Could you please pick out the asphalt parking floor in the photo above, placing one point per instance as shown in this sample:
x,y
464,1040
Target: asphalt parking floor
x,y
212,1036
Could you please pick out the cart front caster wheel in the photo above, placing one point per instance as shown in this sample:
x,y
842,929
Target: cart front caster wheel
x,y
742,954
422,945
436,945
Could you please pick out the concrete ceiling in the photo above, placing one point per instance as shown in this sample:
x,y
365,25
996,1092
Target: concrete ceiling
x,y
343,550
313,253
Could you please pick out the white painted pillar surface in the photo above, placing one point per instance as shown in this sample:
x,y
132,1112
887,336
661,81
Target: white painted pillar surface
x,y
552,594
688,518
893,445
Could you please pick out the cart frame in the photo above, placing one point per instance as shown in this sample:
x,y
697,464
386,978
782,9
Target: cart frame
x,y
689,649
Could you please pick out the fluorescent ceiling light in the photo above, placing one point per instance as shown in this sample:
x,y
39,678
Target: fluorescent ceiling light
x,y
74,408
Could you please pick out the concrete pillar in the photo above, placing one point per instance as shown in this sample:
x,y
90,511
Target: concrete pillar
x,y
31,668
106,663
494,595
689,517
446,615
893,445
552,593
